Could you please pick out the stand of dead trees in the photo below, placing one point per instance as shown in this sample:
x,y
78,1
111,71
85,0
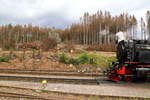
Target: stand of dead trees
x,y
92,29
98,28
12,36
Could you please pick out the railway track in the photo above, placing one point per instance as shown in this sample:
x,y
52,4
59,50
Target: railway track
x,y
40,97
16,95
51,72
32,97
77,78
28,97
52,78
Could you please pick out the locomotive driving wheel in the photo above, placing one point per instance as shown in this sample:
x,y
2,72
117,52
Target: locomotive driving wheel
x,y
112,75
128,79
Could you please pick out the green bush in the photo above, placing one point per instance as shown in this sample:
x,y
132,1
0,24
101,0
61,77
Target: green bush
x,y
88,58
73,61
63,58
4,59
83,58
111,59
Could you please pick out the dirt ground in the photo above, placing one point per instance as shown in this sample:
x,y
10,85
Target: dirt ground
x,y
39,60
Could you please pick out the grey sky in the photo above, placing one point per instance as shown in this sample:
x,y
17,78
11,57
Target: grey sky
x,y
61,13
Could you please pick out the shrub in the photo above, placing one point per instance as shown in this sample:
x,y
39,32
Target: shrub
x,y
74,61
49,43
88,58
4,59
63,58
83,58
111,59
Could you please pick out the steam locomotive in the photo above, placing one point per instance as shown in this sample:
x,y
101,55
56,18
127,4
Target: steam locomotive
x,y
133,61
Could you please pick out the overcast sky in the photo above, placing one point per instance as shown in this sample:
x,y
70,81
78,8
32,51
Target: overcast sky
x,y
61,13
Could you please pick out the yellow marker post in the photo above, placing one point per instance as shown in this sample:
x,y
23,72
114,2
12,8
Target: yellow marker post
x,y
44,84
44,81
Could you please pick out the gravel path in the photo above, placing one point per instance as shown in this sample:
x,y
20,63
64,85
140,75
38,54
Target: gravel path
x,y
111,89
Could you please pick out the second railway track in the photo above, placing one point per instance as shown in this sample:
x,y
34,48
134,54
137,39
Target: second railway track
x,y
51,72
26,96
21,96
52,78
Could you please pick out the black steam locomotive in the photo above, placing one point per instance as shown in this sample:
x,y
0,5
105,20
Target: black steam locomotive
x,y
133,61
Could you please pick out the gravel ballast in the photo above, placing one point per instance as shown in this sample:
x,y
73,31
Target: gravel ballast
x,y
110,89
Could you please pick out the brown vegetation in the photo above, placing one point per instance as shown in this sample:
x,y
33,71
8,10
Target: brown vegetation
x,y
48,43
27,36
48,61
107,47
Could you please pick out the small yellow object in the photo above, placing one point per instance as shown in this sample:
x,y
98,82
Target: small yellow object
x,y
44,81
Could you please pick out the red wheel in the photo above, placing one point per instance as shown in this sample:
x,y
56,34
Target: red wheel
x,y
148,80
115,78
128,79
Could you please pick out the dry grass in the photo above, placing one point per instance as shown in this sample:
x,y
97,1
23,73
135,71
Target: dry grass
x,y
109,47
48,61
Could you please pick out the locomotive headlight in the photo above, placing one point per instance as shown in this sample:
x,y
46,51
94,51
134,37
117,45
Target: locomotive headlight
x,y
142,73
146,47
142,69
